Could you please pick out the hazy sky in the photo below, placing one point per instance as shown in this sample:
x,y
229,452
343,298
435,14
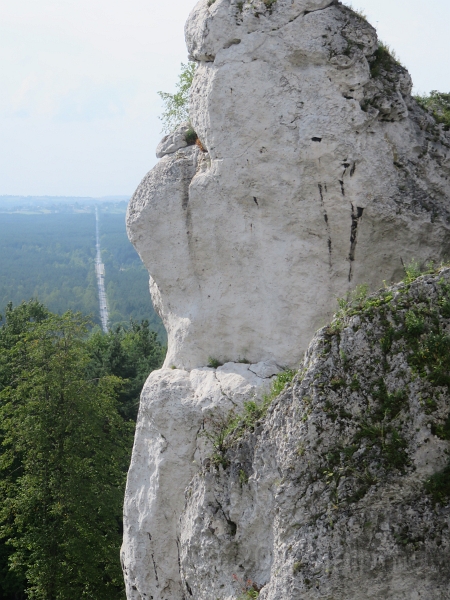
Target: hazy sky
x,y
79,80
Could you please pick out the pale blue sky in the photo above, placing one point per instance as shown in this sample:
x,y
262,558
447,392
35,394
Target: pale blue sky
x,y
78,102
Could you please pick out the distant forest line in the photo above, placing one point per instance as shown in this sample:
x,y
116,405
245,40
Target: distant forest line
x,y
47,204
47,252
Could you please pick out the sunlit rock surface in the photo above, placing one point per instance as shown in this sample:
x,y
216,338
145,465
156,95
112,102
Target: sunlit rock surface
x,y
340,493
317,176
170,447
315,171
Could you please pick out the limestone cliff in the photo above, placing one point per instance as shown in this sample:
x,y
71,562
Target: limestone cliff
x,y
319,172
315,171
343,491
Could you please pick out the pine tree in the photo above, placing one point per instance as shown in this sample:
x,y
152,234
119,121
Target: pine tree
x,y
65,450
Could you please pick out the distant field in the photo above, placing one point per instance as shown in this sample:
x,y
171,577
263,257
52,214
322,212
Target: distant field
x,y
50,256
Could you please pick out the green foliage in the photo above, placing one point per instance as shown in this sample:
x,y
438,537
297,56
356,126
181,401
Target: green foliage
x,y
337,382
412,271
355,299
442,430
269,4
176,106
430,357
243,477
359,302
387,339
438,486
222,432
438,104
377,438
191,137
390,404
354,384
64,455
217,432
214,363
254,411
248,594
12,584
248,587
278,384
353,303
361,14
130,353
414,325
13,324
50,257
384,60
360,293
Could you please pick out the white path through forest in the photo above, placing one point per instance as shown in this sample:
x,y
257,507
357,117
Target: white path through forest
x,y
100,272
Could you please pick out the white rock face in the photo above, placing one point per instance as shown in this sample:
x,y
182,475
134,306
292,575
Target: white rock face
x,y
318,176
329,497
318,172
174,141
176,406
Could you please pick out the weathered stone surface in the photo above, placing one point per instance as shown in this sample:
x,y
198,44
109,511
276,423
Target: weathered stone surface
x,y
320,172
174,141
265,369
328,497
169,448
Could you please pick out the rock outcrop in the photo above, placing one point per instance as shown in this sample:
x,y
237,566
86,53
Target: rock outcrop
x,y
319,172
170,447
315,170
343,491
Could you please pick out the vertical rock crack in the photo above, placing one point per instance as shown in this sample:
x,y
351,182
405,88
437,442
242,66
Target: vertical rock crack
x,y
356,216
327,225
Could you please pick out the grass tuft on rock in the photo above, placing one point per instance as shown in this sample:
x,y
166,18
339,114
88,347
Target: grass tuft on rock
x,y
190,136
224,431
384,60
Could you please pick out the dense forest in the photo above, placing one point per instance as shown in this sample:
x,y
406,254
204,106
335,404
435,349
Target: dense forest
x,y
68,402
69,395
47,252
49,257
126,277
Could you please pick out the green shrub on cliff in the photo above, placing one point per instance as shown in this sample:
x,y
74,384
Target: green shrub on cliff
x,y
438,104
225,430
176,106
